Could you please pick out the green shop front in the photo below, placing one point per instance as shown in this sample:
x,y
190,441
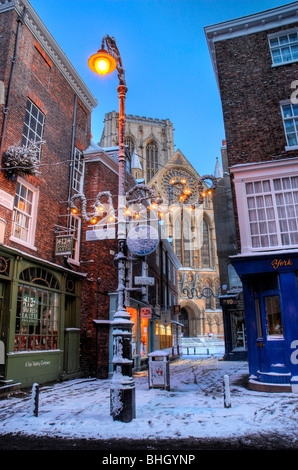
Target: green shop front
x,y
39,320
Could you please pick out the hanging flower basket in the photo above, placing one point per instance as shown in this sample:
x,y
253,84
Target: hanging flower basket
x,y
21,160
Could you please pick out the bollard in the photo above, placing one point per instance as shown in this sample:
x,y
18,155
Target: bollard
x,y
227,397
35,399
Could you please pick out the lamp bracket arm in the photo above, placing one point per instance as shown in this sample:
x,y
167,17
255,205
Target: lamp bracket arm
x,y
112,48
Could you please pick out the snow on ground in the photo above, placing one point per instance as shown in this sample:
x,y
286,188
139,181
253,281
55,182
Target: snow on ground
x,y
193,407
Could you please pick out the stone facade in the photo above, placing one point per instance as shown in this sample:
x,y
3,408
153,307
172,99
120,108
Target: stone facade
x,y
150,141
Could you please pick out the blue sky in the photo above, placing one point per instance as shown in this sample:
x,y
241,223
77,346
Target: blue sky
x,y
167,64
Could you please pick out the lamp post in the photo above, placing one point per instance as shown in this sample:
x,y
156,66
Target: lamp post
x,y
122,392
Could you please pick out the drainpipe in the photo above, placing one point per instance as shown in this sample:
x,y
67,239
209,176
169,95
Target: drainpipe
x,y
72,147
20,21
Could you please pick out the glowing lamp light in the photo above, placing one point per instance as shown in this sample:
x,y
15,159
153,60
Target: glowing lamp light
x,y
136,215
93,221
173,181
102,62
74,210
183,181
111,218
127,212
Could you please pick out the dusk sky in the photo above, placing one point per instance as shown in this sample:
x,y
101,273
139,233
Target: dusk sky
x,y
165,55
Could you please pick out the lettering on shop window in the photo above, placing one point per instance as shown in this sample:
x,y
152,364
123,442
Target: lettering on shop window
x,y
278,263
294,355
37,363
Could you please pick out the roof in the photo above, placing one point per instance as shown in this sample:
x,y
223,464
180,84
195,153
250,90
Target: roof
x,y
262,21
52,49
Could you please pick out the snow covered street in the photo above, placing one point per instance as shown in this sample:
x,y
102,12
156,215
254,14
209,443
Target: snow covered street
x,y
192,408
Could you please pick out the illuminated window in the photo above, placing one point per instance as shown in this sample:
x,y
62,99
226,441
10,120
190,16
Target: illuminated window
x,y
37,315
75,226
24,213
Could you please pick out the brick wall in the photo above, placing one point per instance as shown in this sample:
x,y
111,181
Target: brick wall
x,y
36,77
251,91
95,299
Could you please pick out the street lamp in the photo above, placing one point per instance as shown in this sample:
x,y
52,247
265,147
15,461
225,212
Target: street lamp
x,y
122,392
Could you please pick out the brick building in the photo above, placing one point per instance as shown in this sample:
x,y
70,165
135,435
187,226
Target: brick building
x,y
42,99
255,63
158,329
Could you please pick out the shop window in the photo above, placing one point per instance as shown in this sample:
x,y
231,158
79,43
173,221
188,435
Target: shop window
x,y
134,318
259,319
238,330
165,336
144,337
273,315
37,313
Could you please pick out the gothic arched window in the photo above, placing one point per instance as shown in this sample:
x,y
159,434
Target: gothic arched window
x,y
206,246
151,159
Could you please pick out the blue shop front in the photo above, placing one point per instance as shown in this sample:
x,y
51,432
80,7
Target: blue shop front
x,y
270,295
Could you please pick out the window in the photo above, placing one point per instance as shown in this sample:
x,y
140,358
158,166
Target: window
x,y
37,315
75,226
151,159
290,120
273,315
205,250
284,47
33,124
273,212
267,204
24,213
77,179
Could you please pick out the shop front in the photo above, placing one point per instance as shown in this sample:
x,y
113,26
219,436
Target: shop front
x,y
39,320
234,326
151,331
271,317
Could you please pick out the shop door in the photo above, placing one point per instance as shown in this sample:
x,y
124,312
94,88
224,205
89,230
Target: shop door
x,y
238,332
71,337
270,342
2,345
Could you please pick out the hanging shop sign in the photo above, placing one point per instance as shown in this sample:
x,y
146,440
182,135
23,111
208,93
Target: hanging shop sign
x,y
64,245
142,240
144,281
6,199
146,312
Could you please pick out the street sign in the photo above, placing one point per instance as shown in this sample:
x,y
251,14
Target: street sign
x,y
142,240
144,281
